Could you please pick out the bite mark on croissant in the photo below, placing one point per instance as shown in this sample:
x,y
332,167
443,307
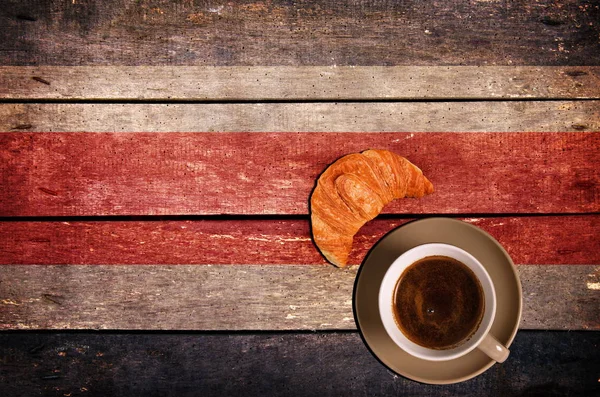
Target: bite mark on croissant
x,y
354,190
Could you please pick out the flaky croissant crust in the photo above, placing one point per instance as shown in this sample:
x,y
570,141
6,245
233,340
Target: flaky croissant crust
x,y
353,190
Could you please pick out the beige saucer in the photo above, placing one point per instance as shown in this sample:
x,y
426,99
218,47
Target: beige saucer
x,y
436,230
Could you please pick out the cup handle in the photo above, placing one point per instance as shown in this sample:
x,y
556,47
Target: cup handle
x,y
494,349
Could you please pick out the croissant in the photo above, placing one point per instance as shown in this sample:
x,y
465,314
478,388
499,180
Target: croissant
x,y
354,190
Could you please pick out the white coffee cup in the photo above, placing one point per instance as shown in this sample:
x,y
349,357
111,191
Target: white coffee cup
x,y
481,338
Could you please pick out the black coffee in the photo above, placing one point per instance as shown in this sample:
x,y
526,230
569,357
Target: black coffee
x,y
438,302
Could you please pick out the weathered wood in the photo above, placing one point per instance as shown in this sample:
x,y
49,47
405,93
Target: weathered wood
x,y
289,83
579,302
119,32
476,116
244,297
530,240
273,364
273,173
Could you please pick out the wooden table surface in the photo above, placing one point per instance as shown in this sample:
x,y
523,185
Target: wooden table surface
x,y
157,158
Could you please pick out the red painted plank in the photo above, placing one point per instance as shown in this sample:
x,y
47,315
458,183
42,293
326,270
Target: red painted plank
x,y
46,174
529,240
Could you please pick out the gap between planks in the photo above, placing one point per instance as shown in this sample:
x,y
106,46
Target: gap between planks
x,y
243,297
289,83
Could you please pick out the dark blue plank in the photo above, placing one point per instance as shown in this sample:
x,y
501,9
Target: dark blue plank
x,y
296,364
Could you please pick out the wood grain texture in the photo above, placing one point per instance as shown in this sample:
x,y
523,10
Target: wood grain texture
x,y
243,297
531,240
219,32
238,83
52,174
476,116
274,364
579,303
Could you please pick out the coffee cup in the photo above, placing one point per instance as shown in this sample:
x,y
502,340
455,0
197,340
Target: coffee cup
x,y
433,293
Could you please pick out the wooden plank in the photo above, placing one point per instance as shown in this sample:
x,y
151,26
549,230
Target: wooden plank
x,y
478,116
530,240
243,297
238,83
297,364
579,300
118,32
52,174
